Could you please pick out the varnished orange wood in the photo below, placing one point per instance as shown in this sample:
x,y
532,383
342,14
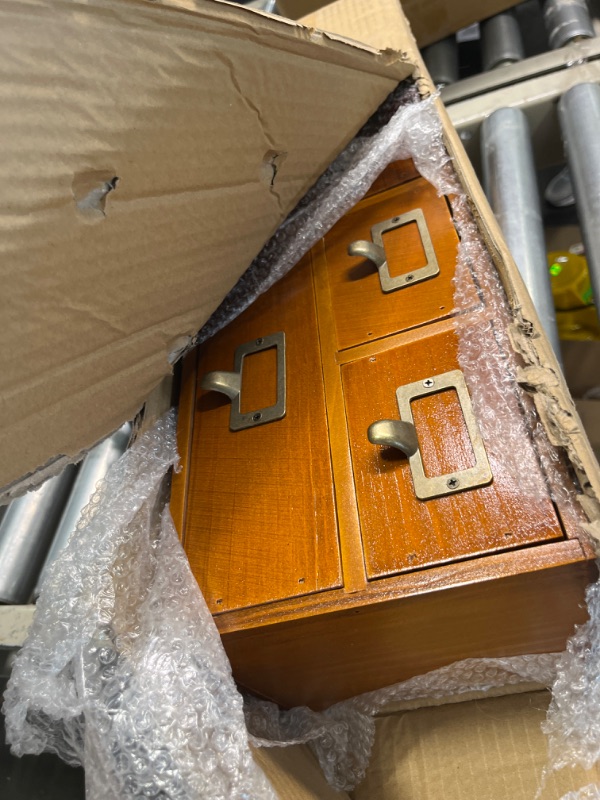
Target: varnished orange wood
x,y
395,174
351,549
408,584
502,605
259,376
401,532
446,582
185,426
362,311
261,522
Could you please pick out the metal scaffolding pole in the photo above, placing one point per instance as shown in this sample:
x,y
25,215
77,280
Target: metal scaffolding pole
x,y
501,41
92,470
567,21
579,116
26,531
511,186
441,59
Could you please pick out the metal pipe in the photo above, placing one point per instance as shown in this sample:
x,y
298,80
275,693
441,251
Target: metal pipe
x,y
510,184
567,21
92,470
579,117
25,535
501,41
7,658
441,59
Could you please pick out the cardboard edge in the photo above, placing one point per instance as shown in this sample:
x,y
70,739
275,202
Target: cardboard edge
x,y
337,49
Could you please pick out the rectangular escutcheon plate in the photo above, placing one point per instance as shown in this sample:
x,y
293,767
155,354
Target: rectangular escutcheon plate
x,y
260,416
441,485
431,268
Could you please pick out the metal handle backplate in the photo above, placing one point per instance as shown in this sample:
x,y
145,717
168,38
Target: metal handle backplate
x,y
384,432
375,251
230,384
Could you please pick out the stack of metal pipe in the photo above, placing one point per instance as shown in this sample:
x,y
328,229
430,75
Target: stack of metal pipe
x,y
35,527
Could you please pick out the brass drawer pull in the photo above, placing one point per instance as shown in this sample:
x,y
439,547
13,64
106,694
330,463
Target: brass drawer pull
x,y
230,384
375,251
403,436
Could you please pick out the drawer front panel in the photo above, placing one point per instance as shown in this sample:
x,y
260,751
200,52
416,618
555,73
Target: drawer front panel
x,y
401,532
395,174
261,523
363,312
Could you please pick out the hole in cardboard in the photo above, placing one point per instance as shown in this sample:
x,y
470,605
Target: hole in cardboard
x,y
271,164
90,190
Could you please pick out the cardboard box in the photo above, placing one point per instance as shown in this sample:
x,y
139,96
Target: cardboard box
x,y
430,20
149,151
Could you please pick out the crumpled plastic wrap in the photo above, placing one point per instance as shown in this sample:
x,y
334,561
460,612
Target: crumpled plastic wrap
x,y
123,670
573,722
342,736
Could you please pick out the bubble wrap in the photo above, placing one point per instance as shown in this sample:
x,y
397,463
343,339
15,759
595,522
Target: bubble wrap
x,y
123,670
590,792
573,723
342,736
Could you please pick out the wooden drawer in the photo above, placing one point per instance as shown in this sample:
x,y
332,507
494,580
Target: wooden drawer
x,y
399,531
326,574
261,522
362,311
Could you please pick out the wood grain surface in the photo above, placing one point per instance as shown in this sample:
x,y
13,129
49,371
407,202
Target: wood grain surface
x,y
326,575
362,311
185,426
331,654
395,174
399,531
261,521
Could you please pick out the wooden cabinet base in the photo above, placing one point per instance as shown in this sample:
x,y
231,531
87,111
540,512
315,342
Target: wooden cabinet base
x,y
337,646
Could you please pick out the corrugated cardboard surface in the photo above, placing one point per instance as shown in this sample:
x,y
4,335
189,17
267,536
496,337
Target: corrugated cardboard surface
x,y
490,749
431,20
190,108
295,774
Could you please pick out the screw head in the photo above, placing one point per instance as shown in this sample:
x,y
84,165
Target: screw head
x,y
452,483
428,383
259,341
257,416
409,278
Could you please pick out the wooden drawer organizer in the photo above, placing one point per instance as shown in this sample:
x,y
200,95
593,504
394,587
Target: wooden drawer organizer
x,y
326,574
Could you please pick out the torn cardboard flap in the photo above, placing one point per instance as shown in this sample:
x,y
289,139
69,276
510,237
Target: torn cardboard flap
x,y
149,151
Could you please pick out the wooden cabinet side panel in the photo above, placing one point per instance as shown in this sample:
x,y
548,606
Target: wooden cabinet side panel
x,y
185,427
